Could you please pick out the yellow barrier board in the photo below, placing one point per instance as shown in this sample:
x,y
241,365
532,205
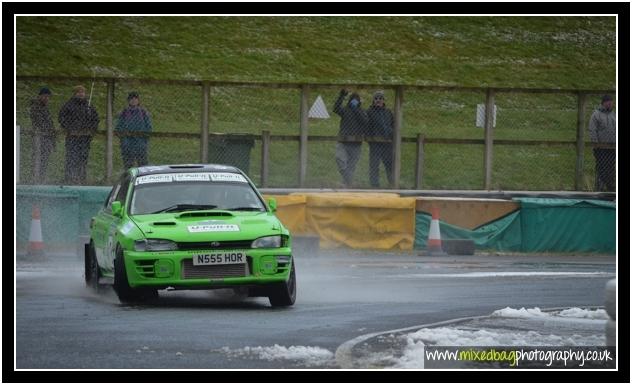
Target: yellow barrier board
x,y
356,220
291,212
361,221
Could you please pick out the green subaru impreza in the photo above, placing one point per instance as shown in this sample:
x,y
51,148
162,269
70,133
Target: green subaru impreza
x,y
184,227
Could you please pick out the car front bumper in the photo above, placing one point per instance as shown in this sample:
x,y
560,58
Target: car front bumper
x,y
162,269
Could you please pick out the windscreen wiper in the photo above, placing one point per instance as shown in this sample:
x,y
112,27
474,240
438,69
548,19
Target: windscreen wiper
x,y
181,207
245,208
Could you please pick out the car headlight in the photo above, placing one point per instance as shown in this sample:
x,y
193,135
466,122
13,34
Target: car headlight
x,y
154,245
267,242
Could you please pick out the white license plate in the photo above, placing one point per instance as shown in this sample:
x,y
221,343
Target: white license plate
x,y
223,258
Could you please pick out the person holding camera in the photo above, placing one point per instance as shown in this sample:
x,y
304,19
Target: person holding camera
x,y
353,126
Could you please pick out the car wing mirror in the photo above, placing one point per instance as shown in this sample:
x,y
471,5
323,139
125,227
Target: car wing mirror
x,y
117,209
272,203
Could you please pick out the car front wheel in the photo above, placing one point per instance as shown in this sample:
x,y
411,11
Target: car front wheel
x,y
285,294
124,291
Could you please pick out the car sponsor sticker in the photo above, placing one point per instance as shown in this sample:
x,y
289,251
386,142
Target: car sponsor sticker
x,y
227,177
212,228
191,176
157,178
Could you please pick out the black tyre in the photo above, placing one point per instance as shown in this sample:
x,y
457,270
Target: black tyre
x,y
92,270
124,291
285,294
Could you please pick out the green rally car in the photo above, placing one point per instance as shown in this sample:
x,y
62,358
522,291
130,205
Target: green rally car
x,y
193,226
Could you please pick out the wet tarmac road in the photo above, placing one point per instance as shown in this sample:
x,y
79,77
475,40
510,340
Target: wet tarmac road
x,y
62,324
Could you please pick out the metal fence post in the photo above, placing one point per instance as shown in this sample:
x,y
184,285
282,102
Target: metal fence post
x,y
397,136
419,164
206,93
109,147
489,137
17,154
37,155
265,157
303,140
581,122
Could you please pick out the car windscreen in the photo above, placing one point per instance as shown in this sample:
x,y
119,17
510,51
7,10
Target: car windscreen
x,y
172,196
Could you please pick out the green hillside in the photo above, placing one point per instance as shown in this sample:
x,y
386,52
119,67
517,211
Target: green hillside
x,y
557,52
532,52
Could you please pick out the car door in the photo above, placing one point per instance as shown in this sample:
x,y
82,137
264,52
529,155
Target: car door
x,y
100,224
114,223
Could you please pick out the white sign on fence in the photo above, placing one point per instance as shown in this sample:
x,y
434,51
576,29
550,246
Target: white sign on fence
x,y
318,110
480,115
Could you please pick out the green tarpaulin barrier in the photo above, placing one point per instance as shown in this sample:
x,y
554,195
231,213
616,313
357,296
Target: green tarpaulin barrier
x,y
65,213
541,225
502,234
568,225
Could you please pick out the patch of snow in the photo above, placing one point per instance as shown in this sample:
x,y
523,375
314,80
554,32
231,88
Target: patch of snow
x,y
520,313
599,314
583,313
306,355
413,354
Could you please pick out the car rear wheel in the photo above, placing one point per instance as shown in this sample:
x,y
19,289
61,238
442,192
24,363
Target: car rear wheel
x,y
285,294
124,291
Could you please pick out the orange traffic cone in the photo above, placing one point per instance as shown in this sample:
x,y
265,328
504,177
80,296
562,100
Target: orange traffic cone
x,y
36,243
434,235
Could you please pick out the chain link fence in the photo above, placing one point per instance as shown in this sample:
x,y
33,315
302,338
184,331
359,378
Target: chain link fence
x,y
299,136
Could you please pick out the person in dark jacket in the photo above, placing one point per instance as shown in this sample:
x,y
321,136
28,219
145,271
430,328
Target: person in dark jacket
x,y
353,122
79,121
602,129
381,122
133,127
44,133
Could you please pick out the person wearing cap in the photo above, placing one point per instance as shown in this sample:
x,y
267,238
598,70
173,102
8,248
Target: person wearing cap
x,y
380,126
44,133
79,120
353,123
133,128
602,129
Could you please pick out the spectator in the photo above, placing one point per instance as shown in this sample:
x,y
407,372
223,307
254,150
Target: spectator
x,y
602,130
44,133
80,121
353,122
381,122
133,127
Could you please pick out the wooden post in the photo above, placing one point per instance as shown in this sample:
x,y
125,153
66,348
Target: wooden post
x,y
581,125
397,136
419,165
489,137
109,145
303,140
17,154
265,157
206,93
